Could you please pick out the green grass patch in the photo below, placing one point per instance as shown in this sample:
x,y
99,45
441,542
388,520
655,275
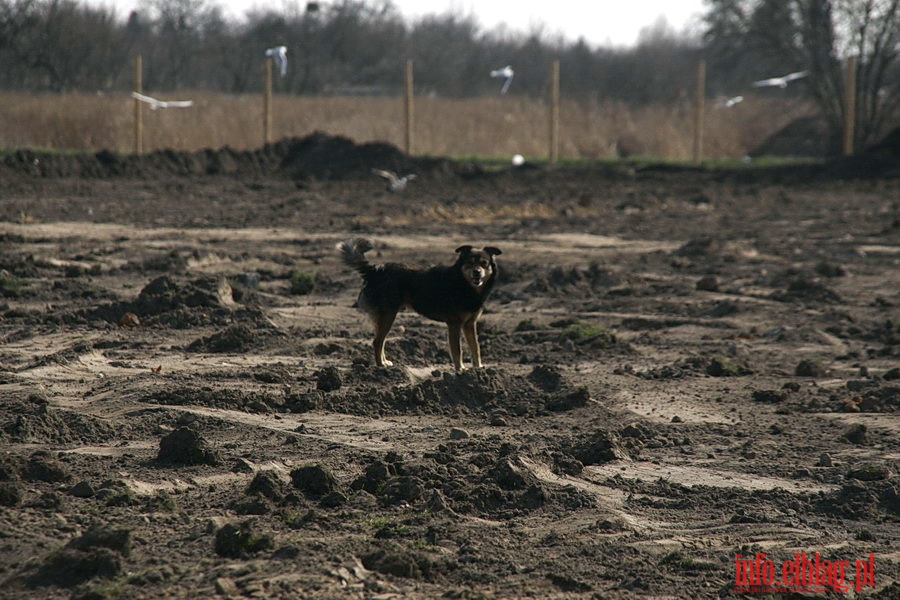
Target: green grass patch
x,y
581,330
10,285
302,283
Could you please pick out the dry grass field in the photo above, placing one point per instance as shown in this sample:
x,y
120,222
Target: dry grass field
x,y
487,126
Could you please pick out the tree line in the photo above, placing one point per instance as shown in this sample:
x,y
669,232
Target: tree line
x,y
358,47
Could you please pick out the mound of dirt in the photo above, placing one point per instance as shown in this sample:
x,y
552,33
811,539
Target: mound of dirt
x,y
478,477
810,137
31,420
879,160
807,137
334,157
488,392
888,147
317,155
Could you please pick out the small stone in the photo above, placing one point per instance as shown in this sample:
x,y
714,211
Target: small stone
x,y
129,319
709,283
856,434
458,433
809,368
226,587
82,489
825,460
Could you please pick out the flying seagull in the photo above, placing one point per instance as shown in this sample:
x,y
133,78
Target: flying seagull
x,y
395,183
507,74
729,102
155,104
279,55
781,82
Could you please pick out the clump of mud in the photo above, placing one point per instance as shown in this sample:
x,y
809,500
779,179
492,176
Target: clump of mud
x,y
165,301
185,446
98,553
31,420
574,281
486,391
478,477
240,540
236,338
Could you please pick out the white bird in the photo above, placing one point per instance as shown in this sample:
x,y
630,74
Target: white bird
x,y
279,55
155,104
781,82
506,73
729,102
395,183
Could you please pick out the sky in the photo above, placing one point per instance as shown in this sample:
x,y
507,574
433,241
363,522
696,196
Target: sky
x,y
599,22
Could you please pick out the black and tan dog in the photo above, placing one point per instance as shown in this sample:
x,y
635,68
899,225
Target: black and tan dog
x,y
453,294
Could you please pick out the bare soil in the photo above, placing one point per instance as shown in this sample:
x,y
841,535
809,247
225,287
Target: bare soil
x,y
682,365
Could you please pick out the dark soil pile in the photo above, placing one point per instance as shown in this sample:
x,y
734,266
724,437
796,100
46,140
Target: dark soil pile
x,y
317,155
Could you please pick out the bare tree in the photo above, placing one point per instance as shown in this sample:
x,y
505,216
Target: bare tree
x,y
59,45
344,46
818,36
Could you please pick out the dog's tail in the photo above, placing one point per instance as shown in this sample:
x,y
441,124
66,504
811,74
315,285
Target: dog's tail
x,y
353,253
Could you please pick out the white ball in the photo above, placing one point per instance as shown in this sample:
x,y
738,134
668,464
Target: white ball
x,y
518,159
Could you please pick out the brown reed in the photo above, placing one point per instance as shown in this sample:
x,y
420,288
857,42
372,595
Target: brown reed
x,y
496,126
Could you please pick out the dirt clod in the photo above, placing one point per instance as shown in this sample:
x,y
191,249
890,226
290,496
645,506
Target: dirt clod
x,y
185,446
314,481
240,540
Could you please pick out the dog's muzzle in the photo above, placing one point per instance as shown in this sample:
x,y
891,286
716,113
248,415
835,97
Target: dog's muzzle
x,y
479,276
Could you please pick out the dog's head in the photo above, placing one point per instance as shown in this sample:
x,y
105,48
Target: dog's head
x,y
477,266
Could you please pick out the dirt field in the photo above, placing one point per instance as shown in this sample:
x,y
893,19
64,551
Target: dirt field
x,y
682,365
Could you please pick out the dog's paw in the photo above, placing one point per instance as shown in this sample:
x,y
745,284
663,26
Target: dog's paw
x,y
386,363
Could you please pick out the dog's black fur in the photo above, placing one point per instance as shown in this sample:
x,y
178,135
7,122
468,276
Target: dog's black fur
x,y
453,294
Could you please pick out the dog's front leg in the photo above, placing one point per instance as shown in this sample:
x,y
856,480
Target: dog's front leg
x,y
471,334
455,341
382,327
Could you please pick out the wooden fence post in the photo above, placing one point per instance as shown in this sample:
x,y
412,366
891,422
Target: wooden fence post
x,y
408,106
553,153
138,113
267,100
699,109
849,106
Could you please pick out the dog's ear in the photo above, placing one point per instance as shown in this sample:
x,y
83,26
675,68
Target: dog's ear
x,y
464,249
492,251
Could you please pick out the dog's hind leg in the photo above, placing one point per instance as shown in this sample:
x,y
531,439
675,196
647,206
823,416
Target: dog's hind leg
x,y
382,327
471,334
454,337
